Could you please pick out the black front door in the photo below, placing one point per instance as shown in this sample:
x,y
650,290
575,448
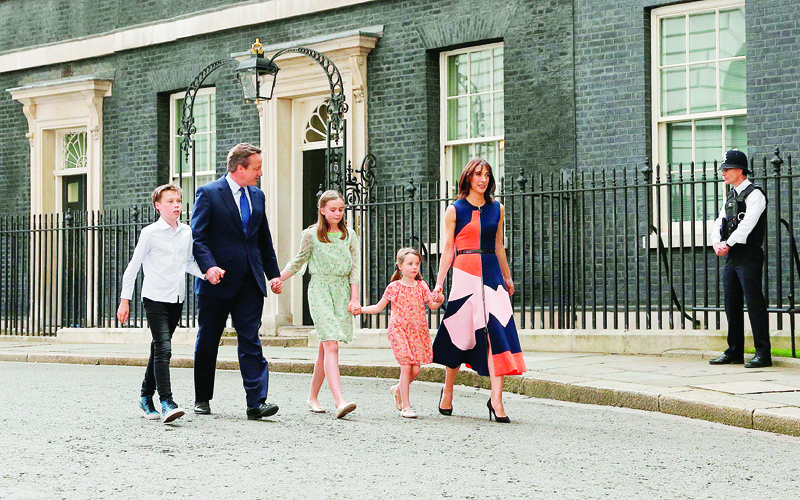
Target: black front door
x,y
313,181
73,205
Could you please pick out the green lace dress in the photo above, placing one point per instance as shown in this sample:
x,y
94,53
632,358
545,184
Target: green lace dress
x,y
333,267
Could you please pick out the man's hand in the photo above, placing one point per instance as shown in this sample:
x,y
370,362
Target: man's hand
x,y
276,285
214,274
721,249
123,312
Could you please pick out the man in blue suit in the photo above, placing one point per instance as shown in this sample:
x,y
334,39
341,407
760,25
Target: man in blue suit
x,y
233,246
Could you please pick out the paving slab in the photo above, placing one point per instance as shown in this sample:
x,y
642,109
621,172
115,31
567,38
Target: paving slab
x,y
755,387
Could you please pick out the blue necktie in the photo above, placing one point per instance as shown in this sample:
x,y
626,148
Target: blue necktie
x,y
244,208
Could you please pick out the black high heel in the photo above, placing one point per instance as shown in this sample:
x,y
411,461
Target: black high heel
x,y
444,411
501,420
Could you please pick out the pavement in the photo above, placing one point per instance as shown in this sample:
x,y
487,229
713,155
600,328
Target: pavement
x,y
676,382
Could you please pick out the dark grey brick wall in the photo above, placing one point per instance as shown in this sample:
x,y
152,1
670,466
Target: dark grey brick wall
x,y
403,88
35,22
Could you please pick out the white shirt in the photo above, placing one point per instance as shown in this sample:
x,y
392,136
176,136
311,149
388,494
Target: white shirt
x,y
756,203
237,194
166,256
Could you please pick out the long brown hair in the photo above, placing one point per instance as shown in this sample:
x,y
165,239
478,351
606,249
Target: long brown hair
x,y
465,181
401,257
322,224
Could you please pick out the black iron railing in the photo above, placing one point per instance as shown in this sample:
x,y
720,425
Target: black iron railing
x,y
625,248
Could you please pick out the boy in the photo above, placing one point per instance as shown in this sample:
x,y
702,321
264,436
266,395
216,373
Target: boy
x,y
164,252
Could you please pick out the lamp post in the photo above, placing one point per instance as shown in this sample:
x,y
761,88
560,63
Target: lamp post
x,y
257,76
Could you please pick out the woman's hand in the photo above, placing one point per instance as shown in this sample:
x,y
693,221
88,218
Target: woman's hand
x,y
509,285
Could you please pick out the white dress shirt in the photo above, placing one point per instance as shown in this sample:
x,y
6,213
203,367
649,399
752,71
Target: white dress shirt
x,y
756,203
166,256
237,194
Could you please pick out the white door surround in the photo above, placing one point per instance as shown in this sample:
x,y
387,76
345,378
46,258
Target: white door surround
x,y
73,103
300,82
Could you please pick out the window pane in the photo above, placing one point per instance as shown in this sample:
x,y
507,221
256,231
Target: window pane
x,y
457,75
74,152
673,91
732,81
480,72
457,119
499,114
201,152
702,88
731,33
673,40
201,113
485,151
213,111
498,69
179,157
736,133
500,168
679,143
702,37
178,115
708,141
461,157
481,115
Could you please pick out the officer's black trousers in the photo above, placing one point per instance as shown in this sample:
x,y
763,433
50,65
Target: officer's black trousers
x,y
742,276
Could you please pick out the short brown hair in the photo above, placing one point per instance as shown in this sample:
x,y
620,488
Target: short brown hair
x,y
465,181
160,190
240,155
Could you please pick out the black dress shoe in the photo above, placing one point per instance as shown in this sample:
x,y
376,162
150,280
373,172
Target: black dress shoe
x,y
263,410
726,360
202,408
759,362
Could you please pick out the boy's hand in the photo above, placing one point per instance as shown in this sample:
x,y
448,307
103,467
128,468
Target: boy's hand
x,y
123,312
214,274
276,285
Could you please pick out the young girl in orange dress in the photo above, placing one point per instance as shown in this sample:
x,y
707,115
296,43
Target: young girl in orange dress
x,y
408,325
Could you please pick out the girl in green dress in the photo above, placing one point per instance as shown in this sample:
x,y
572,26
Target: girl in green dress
x,y
330,250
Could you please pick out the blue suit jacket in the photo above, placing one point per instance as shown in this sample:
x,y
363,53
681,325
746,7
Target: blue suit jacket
x,y
219,239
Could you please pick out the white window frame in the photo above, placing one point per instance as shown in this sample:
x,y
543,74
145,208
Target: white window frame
x,y
174,151
659,124
445,155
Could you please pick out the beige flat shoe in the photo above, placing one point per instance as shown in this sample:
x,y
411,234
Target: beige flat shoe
x,y
316,408
396,394
408,413
343,410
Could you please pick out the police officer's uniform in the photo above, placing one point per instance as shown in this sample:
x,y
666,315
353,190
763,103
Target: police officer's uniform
x,y
741,225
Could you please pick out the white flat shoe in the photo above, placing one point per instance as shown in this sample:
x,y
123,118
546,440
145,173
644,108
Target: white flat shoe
x,y
396,394
343,410
408,413
316,408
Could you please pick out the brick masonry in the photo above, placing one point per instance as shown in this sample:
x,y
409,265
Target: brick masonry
x,y
577,82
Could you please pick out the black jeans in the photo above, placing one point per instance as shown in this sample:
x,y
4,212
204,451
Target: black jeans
x,y
742,281
163,318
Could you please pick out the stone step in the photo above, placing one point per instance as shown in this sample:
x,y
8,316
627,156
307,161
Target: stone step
x,y
294,331
270,341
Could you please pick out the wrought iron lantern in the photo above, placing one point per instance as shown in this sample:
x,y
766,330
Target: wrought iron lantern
x,y
257,75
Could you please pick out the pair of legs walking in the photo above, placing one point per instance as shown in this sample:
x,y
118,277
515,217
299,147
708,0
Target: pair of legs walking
x,y
163,318
496,382
327,366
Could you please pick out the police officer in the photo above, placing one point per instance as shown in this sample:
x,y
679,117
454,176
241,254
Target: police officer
x,y
738,234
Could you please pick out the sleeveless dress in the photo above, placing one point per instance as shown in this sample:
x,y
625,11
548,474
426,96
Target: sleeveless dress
x,y
479,307
408,324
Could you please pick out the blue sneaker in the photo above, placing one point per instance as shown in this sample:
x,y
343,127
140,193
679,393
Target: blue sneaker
x,y
149,409
170,411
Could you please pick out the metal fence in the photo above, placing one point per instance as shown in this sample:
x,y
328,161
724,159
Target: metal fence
x,y
625,248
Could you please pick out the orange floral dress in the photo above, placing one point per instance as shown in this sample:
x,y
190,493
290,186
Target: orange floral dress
x,y
408,325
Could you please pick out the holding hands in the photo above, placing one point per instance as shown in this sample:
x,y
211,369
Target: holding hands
x,y
354,307
276,285
214,274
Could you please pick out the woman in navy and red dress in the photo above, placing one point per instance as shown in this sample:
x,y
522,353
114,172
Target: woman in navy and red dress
x,y
478,327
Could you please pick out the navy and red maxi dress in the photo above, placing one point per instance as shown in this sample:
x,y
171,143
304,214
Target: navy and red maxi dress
x,y
479,308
